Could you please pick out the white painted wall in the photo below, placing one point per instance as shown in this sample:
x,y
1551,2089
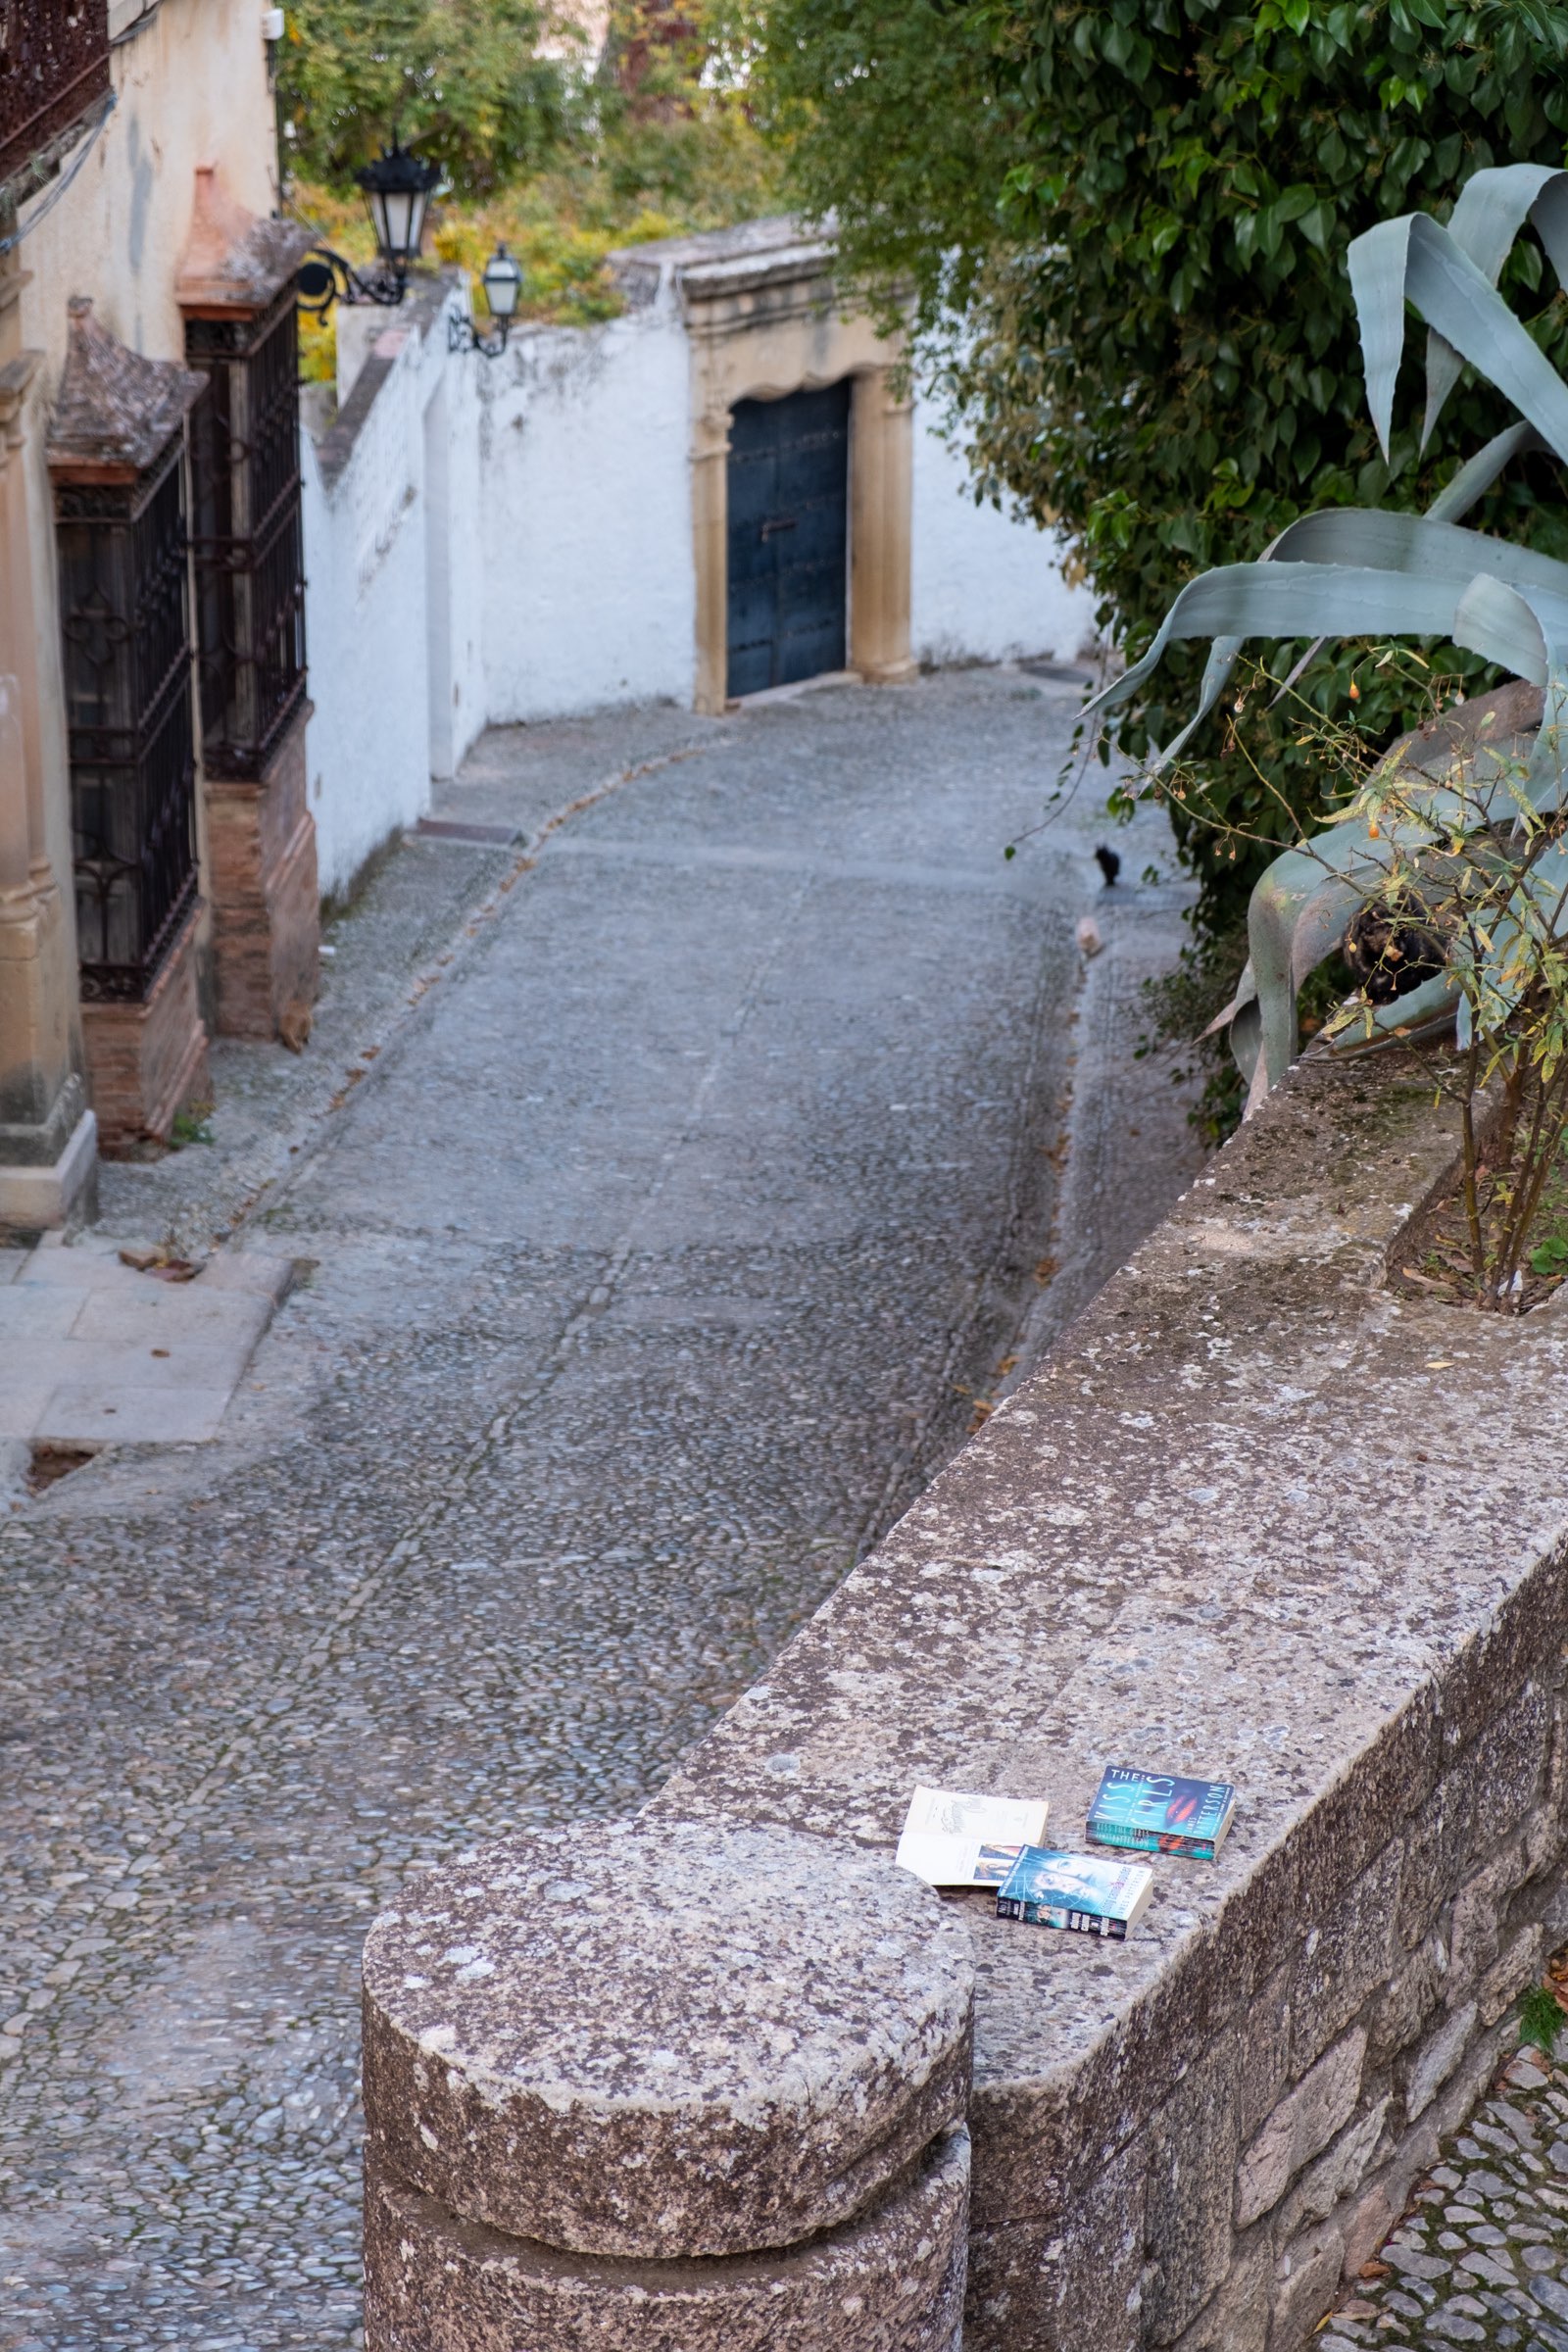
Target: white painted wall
x,y
983,587
590,582
387,531
511,539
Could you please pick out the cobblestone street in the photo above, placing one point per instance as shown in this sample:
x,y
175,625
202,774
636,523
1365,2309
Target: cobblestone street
x,y
1482,2257
668,1187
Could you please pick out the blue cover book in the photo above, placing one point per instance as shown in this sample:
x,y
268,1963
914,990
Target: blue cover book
x,y
1160,1813
1075,1891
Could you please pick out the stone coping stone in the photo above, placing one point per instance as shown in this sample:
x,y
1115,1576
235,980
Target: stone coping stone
x,y
659,2042
1255,1517
891,2280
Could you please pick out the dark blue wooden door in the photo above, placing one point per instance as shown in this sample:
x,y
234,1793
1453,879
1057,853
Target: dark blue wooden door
x,y
788,537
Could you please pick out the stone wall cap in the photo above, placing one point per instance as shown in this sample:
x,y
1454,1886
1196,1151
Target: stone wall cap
x,y
806,259
713,262
115,410
746,239
625,2040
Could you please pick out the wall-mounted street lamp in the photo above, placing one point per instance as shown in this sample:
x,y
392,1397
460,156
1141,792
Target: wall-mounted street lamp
x,y
397,187
502,284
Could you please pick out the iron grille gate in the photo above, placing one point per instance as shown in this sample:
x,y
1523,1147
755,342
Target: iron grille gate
x,y
126,643
788,538
54,62
246,537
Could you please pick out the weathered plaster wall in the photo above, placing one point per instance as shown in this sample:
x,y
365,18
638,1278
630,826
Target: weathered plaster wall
x,y
191,87
985,588
589,575
589,583
393,612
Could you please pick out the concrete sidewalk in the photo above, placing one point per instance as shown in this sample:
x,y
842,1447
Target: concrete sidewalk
x,y
669,1192
95,1352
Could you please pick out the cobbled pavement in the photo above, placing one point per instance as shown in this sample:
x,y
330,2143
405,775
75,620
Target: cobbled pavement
x,y
1481,2256
668,1194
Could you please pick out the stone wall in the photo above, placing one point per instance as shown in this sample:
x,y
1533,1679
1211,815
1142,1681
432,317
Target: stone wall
x,y
1258,1517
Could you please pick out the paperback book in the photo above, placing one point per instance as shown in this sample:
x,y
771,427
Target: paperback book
x,y
1079,1891
1159,1812
955,1841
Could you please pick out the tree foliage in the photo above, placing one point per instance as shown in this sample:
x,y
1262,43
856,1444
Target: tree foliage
x,y
462,81
1124,226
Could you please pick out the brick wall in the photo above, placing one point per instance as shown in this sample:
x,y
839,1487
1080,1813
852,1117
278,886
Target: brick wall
x,y
146,1062
261,879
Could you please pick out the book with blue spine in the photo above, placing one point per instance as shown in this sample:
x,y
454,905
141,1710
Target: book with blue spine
x,y
1161,1813
1079,1891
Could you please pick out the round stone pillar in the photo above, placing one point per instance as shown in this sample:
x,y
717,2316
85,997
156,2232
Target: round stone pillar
x,y
645,2088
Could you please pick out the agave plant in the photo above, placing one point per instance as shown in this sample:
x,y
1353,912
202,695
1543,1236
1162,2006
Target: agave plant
x,y
1369,572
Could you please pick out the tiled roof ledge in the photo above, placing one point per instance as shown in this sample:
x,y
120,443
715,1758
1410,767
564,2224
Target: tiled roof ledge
x,y
234,260
115,411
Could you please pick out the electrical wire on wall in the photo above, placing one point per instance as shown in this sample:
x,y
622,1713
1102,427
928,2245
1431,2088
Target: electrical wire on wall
x,y
25,229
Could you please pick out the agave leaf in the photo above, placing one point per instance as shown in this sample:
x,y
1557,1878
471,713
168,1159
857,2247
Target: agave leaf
x,y
1301,594
1472,482
1274,599
1374,539
1534,626
1477,475
1537,906
1415,258
1290,921
1492,207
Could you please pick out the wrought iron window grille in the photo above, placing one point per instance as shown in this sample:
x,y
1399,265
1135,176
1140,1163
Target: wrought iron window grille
x,y
126,629
246,536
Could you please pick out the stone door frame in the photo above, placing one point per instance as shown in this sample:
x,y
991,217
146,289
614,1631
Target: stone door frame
x,y
766,323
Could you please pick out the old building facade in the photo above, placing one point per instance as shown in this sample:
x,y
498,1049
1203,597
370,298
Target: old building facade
x,y
157,868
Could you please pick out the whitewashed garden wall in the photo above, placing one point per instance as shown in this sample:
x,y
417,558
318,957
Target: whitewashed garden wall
x,y
490,542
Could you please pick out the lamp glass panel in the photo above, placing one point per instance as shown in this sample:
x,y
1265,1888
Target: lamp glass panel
x,y
399,207
502,284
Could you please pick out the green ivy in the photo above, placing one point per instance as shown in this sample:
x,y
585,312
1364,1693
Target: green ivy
x,y
1122,226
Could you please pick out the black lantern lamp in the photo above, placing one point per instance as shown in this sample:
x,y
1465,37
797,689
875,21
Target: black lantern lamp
x,y
398,187
502,284
396,193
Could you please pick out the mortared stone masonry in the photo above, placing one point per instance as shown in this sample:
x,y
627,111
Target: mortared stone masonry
x,y
1256,1515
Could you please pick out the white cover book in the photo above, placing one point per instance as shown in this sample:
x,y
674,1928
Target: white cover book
x,y
955,1841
